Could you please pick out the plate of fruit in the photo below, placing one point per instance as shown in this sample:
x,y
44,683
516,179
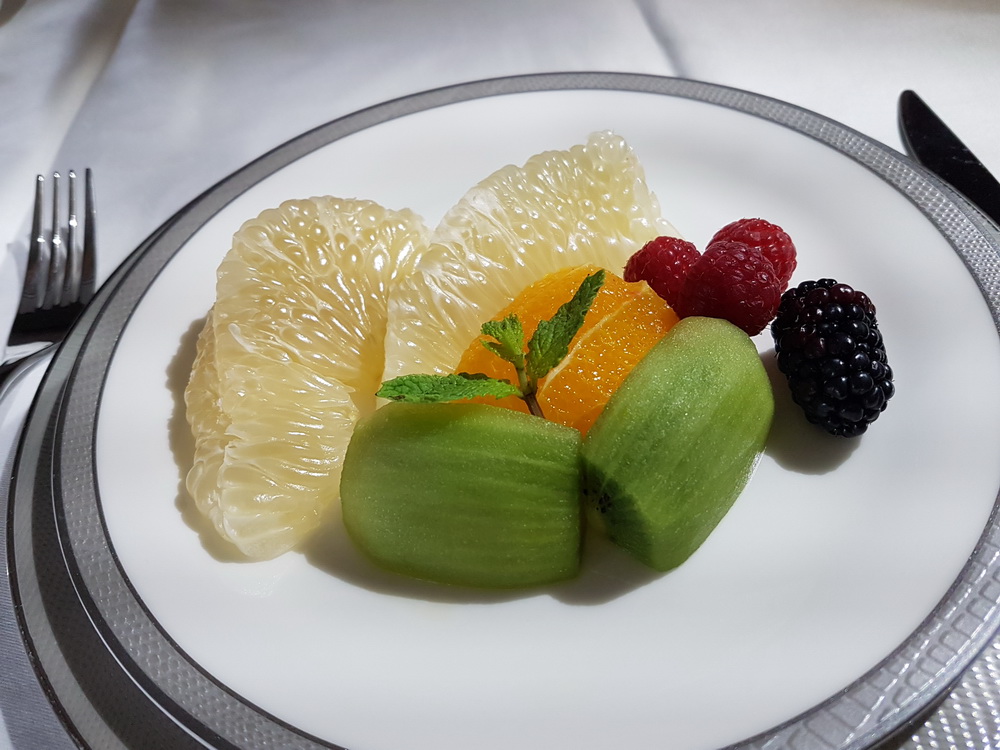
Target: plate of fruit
x,y
573,410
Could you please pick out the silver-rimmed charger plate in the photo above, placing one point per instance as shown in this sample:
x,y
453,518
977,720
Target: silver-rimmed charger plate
x,y
849,587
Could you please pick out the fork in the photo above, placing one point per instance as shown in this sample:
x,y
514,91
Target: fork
x,y
58,280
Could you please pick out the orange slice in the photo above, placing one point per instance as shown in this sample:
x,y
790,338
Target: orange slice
x,y
625,321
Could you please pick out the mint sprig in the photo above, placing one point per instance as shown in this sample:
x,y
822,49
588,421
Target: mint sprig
x,y
431,389
547,347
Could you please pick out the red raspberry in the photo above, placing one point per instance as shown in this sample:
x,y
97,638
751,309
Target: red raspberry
x,y
769,238
734,282
662,263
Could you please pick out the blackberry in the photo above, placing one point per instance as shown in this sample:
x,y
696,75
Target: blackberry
x,y
831,351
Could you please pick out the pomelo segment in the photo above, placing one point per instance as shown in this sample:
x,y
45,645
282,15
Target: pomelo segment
x,y
587,205
465,494
289,358
677,442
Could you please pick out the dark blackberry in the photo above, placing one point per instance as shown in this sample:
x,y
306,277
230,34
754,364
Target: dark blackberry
x,y
831,351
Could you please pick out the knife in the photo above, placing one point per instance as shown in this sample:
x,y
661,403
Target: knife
x,y
933,145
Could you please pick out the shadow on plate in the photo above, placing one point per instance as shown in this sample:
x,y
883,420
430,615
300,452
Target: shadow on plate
x,y
794,443
606,573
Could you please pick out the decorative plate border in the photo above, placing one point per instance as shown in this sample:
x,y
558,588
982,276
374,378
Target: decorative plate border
x,y
195,708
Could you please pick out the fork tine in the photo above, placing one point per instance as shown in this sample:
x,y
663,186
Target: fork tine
x,y
37,268
88,261
71,282
57,251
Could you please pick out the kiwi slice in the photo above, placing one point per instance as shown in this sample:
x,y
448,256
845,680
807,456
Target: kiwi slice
x,y
676,444
465,494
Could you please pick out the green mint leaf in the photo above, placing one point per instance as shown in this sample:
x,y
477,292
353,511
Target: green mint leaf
x,y
509,335
432,389
551,340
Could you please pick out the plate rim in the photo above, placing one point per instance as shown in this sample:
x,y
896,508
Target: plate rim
x,y
937,202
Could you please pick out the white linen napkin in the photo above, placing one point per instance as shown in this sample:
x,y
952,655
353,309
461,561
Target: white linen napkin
x,y
849,60
195,90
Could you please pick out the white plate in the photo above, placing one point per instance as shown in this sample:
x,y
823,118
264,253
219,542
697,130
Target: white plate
x,y
842,593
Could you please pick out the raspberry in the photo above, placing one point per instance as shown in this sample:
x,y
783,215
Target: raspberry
x,y
769,238
662,263
831,351
731,281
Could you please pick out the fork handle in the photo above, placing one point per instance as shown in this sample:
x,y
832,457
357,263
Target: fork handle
x,y
13,371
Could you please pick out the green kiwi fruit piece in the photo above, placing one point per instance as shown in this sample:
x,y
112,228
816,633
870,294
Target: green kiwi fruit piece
x,y
465,494
676,444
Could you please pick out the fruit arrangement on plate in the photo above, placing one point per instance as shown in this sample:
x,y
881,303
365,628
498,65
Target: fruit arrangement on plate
x,y
553,354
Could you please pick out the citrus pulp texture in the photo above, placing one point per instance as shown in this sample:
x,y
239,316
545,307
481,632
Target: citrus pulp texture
x,y
624,322
289,358
587,205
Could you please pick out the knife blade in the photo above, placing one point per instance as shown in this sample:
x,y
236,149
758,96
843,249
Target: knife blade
x,y
933,145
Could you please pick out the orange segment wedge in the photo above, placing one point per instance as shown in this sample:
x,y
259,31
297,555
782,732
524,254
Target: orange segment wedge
x,y
624,323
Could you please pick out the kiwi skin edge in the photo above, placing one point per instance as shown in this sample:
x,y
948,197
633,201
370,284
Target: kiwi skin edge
x,y
678,441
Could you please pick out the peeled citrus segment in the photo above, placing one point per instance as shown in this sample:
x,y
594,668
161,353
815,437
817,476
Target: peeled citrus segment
x,y
624,322
540,301
576,392
290,357
587,205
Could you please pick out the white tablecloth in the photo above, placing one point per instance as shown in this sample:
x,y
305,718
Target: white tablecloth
x,y
163,98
